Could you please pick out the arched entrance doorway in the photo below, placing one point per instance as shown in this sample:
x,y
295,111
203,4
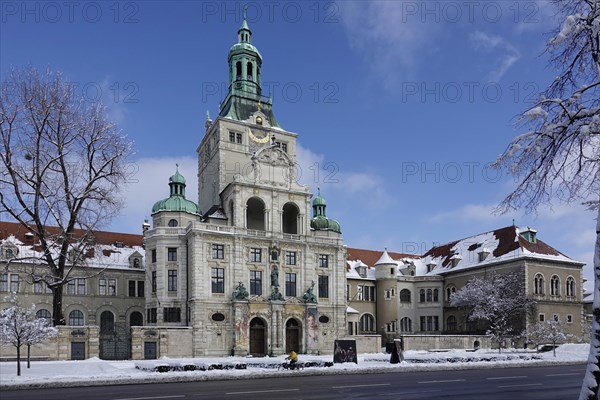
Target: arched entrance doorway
x,y
292,336
136,319
258,342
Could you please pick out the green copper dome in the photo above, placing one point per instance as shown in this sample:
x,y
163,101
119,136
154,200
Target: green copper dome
x,y
176,201
320,222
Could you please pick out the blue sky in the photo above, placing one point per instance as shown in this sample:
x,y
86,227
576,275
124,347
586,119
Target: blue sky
x,y
400,105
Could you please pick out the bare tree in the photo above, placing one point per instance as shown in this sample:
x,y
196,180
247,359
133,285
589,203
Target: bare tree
x,y
62,165
499,300
18,327
559,155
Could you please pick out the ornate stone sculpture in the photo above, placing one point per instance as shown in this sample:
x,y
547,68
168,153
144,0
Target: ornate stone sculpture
x,y
240,292
276,295
309,296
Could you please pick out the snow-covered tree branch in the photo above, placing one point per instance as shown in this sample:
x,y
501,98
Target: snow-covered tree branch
x,y
63,165
558,157
547,332
499,300
19,326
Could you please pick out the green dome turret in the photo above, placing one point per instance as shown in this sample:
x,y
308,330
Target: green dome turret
x,y
320,222
176,201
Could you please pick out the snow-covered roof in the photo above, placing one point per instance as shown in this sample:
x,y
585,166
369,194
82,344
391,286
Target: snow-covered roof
x,y
504,244
350,310
106,250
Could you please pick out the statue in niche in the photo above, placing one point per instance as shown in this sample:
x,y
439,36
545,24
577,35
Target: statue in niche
x,y
309,296
240,292
275,277
276,294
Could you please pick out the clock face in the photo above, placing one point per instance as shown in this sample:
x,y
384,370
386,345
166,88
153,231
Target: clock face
x,y
259,135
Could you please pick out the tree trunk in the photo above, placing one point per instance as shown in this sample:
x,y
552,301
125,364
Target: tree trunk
x,y
57,296
18,359
28,356
591,380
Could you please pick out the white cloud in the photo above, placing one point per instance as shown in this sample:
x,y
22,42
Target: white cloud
x,y
150,184
387,35
490,43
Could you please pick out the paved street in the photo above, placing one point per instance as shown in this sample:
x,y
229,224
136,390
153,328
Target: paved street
x,y
547,383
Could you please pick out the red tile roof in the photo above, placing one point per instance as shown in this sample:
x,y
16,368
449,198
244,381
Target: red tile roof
x,y
101,237
370,257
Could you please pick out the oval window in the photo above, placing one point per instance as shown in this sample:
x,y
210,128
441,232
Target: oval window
x,y
323,319
173,223
218,317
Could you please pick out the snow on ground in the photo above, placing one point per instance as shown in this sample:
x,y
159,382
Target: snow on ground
x,y
94,371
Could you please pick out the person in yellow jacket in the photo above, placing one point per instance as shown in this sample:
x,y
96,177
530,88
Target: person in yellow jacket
x,y
293,357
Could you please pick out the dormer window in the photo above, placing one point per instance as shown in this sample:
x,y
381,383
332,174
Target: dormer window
x,y
362,271
530,235
455,259
9,254
136,263
483,254
119,244
430,266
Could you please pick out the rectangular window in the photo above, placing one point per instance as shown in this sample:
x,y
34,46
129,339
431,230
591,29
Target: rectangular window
x,y
368,293
324,286
3,282
71,287
542,317
112,287
569,319
172,280
218,280
131,291
153,255
141,288
151,315
256,282
81,286
232,137
172,254
102,287
172,314
14,283
255,254
323,260
218,251
348,292
238,138
284,147
290,285
290,257
41,287
153,282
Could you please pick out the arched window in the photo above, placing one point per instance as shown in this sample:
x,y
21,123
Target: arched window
x,y
554,285
538,284
436,295
451,324
405,296
249,71
238,70
422,296
570,287
290,218
76,318
405,325
255,214
43,314
136,319
450,290
173,223
367,323
107,322
429,295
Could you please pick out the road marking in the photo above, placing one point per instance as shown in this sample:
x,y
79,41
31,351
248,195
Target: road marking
x,y
525,384
416,392
448,380
153,397
264,391
507,377
354,386
573,373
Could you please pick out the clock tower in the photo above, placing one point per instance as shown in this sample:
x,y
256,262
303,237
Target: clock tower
x,y
257,275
